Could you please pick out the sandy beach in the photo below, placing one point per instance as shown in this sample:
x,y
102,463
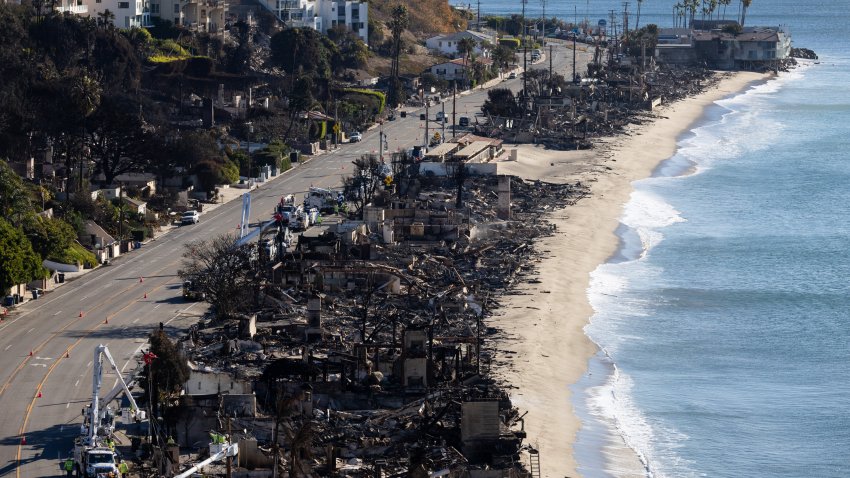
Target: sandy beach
x,y
544,329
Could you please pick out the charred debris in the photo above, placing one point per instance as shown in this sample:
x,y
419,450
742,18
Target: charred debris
x,y
622,85
363,349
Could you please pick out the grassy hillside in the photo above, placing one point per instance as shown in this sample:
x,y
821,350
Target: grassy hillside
x,y
426,16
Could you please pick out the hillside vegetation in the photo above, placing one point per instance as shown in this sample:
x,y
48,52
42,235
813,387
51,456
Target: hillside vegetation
x,y
426,16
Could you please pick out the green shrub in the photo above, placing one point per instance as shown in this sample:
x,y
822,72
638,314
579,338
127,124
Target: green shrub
x,y
509,42
382,98
75,254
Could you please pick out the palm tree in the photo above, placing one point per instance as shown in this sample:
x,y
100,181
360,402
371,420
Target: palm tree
x,y
465,47
745,4
399,21
637,21
106,18
725,4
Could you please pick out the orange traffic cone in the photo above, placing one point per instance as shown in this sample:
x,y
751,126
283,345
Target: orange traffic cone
x,y
81,313
39,395
106,321
146,295
141,279
23,440
67,354
30,353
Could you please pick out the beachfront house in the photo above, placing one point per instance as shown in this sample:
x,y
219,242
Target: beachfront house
x,y
753,48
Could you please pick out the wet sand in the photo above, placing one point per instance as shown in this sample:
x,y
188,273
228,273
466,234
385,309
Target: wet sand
x,y
545,328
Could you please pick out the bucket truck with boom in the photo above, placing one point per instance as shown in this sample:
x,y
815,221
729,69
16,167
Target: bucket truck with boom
x,y
93,456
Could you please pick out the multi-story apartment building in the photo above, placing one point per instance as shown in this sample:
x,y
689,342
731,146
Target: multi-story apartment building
x,y
128,13
201,15
323,15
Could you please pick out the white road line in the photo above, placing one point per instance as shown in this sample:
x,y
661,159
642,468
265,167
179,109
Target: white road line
x,y
157,306
31,329
8,347
57,313
77,384
88,364
84,298
137,319
66,406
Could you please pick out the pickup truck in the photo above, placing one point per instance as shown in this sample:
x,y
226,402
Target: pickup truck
x,y
190,217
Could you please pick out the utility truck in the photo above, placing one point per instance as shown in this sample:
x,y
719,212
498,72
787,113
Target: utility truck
x,y
325,200
93,456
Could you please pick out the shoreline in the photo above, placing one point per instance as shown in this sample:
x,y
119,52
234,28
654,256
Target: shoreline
x,y
543,329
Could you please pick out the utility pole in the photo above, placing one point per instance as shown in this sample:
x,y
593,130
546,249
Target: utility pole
x,y
543,41
575,73
120,216
443,122
427,119
524,60
550,62
229,458
478,23
454,108
626,19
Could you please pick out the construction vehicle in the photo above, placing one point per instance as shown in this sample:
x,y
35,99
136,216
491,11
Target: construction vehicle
x,y
325,200
191,292
93,455
306,219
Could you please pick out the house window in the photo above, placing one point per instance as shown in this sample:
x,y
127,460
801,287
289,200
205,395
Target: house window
x,y
123,4
203,13
441,44
126,21
155,8
176,8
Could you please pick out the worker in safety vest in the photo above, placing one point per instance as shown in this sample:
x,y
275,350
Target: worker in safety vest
x,y
123,469
110,443
68,466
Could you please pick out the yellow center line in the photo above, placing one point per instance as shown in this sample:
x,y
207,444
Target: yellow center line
x,y
21,431
54,334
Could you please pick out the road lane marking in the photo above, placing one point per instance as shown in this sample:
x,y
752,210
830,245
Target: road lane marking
x,y
136,320
57,313
77,384
157,306
8,347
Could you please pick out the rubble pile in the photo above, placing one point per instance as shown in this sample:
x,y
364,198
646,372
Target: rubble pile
x,y
567,116
362,355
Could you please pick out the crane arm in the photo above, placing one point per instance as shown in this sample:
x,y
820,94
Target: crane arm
x,y
231,449
121,381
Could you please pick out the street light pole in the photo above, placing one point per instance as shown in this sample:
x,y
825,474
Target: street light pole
x,y
250,132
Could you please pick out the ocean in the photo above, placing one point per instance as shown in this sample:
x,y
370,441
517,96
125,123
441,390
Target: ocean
x,y
723,320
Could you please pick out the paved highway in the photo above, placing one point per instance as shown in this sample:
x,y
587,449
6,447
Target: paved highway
x,y
47,347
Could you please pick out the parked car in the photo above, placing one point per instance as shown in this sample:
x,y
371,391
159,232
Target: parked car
x,y
355,137
190,217
441,116
512,76
463,122
422,116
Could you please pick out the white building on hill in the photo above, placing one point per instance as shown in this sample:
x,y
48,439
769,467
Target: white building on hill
x,y
128,13
447,44
323,15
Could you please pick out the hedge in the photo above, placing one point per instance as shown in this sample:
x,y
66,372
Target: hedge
x,y
377,94
509,42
